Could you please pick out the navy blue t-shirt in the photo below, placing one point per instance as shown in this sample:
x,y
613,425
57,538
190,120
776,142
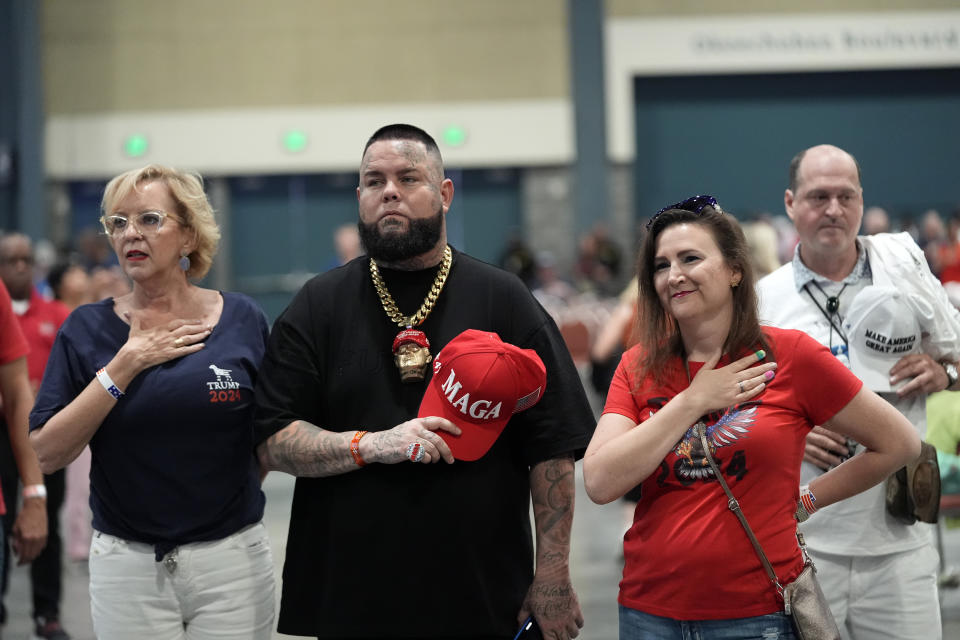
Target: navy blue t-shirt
x,y
173,462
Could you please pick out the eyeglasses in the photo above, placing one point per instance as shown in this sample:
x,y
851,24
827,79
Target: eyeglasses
x,y
146,223
693,204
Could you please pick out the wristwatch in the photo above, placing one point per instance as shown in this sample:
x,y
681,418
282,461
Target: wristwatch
x,y
952,375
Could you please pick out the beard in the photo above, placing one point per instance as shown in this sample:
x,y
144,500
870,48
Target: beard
x,y
421,236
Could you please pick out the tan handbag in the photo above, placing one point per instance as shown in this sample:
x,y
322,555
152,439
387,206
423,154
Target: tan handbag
x,y
913,491
803,600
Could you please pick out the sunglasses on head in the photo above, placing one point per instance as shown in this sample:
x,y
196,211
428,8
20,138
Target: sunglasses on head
x,y
694,204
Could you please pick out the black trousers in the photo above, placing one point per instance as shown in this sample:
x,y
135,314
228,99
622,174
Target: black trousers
x,y
46,569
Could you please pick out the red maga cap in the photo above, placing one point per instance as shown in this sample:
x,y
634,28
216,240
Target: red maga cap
x,y
410,335
478,383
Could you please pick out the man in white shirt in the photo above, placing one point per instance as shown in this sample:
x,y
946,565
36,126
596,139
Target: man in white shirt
x,y
879,574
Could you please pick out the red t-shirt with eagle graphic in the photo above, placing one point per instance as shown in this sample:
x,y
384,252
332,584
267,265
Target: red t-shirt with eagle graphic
x,y
686,555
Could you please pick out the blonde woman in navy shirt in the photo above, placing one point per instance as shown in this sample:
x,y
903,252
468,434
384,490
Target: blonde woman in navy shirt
x,y
159,383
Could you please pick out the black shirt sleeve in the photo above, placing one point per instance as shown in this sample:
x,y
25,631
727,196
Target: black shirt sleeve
x,y
290,376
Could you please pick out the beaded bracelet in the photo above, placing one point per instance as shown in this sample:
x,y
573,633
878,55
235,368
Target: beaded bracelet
x,y
807,505
355,448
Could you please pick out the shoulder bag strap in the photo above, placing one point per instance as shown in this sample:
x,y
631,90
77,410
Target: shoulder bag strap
x,y
734,506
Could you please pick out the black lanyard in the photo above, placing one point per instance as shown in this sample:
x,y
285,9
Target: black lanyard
x,y
833,308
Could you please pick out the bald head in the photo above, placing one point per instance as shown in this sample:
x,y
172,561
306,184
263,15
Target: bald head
x,y
818,154
826,207
875,220
16,264
14,238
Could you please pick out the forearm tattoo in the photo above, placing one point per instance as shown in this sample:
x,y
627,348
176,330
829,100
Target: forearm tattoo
x,y
552,491
302,449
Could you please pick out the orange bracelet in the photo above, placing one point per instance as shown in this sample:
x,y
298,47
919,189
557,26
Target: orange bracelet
x,y
355,448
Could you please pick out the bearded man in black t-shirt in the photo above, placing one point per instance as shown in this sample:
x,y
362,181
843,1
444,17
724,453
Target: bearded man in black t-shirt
x,y
383,543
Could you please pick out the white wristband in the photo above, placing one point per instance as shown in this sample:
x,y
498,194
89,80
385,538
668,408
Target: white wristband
x,y
107,383
34,491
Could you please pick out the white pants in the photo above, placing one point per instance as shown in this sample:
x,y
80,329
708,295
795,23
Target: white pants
x,y
892,596
222,589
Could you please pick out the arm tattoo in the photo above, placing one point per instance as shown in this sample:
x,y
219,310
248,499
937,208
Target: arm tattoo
x,y
383,443
302,449
552,491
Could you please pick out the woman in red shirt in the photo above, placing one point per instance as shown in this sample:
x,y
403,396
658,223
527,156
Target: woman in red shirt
x,y
703,356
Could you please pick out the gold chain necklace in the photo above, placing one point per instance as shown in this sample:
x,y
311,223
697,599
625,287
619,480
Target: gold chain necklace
x,y
428,303
411,349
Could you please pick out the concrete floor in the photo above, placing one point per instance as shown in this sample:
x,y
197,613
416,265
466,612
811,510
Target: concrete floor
x,y
595,565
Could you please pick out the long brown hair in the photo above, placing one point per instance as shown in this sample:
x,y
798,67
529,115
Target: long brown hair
x,y
657,330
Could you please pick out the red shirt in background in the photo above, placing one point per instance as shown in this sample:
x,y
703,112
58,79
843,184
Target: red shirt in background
x,y
40,323
12,343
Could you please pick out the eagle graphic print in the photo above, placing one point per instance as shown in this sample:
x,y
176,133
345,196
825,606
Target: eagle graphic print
x,y
734,425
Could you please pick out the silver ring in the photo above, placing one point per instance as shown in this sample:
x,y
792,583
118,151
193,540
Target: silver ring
x,y
740,384
415,452
178,342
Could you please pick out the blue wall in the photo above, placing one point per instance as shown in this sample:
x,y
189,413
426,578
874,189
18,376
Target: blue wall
x,y
734,136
